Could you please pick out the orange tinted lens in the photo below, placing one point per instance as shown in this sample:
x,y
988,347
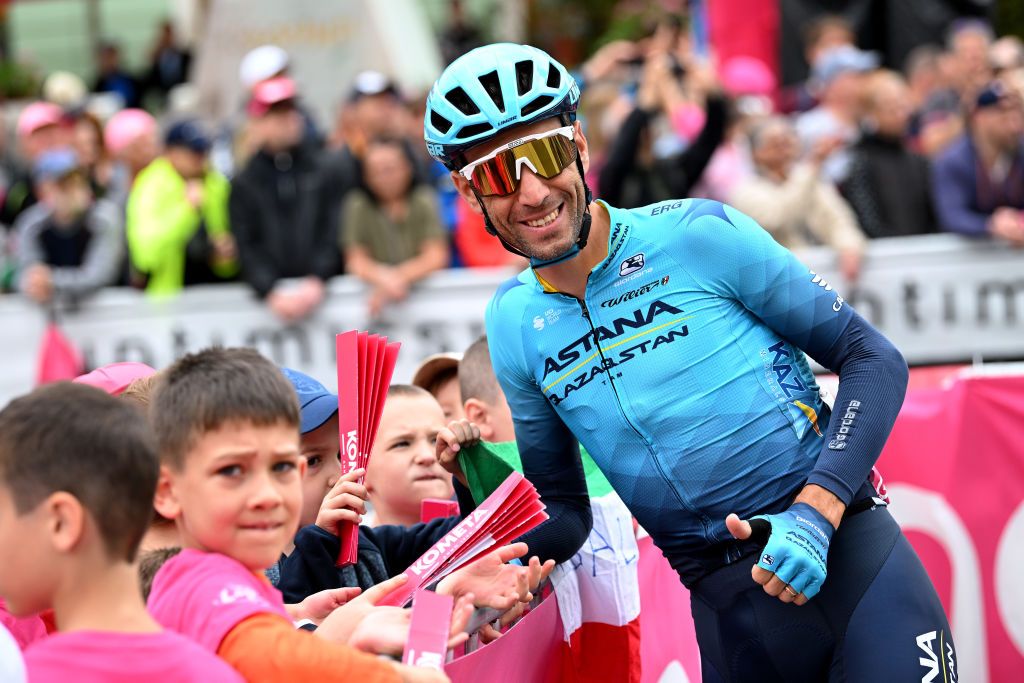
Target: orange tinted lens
x,y
496,176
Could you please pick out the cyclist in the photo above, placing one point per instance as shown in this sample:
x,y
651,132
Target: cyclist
x,y
669,340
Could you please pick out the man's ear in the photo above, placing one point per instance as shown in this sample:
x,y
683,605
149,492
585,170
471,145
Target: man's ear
x,y
65,520
582,145
479,414
464,189
166,499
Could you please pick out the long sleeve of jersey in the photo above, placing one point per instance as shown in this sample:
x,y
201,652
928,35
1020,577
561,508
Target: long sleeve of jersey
x,y
549,451
741,261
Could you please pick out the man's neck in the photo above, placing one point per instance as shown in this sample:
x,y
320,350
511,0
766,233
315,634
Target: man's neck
x,y
988,152
103,598
570,276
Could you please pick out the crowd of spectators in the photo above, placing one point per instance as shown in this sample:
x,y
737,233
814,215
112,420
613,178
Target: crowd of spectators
x,y
284,202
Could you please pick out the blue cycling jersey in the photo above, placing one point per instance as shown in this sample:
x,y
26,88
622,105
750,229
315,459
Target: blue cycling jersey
x,y
681,371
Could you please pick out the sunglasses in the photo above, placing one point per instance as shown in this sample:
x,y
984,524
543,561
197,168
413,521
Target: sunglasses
x,y
546,154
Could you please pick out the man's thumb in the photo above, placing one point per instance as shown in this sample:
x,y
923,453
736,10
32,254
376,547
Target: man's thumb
x,y
739,528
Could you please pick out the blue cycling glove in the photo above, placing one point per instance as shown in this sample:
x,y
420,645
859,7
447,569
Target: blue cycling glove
x,y
797,546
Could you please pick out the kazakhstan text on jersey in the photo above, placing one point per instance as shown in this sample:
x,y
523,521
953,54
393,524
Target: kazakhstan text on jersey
x,y
679,372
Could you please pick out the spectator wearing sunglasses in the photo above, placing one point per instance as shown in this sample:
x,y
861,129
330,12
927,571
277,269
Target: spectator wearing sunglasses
x,y
69,244
392,235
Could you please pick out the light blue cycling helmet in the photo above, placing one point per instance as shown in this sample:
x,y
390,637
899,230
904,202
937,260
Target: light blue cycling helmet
x,y
490,89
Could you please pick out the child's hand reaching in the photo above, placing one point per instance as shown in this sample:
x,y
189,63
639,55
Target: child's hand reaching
x,y
452,439
339,625
385,630
346,502
317,606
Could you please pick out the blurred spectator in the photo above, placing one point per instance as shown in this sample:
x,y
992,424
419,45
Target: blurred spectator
x,y
112,77
838,78
459,35
439,375
749,83
391,232
283,209
262,64
633,175
968,41
475,246
821,34
65,89
936,118
41,128
1006,54
978,182
130,137
177,216
68,244
265,63
793,201
87,141
168,62
889,186
374,109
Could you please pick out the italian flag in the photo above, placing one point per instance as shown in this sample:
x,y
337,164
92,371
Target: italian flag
x,y
597,591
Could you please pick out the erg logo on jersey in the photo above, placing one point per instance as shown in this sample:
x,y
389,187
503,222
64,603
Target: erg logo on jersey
x,y
634,293
631,265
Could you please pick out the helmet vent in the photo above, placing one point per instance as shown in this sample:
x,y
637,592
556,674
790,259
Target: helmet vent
x,y
538,104
460,100
440,123
475,129
524,77
493,87
554,78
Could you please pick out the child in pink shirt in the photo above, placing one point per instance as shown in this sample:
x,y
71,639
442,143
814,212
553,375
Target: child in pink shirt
x,y
227,426
75,498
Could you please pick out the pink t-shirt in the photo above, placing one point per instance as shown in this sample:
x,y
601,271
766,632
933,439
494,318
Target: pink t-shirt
x,y
26,630
110,657
204,595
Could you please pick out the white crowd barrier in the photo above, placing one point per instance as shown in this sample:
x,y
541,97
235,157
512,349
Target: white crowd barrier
x,y
940,299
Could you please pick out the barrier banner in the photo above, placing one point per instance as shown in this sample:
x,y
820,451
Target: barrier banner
x,y
954,467
939,298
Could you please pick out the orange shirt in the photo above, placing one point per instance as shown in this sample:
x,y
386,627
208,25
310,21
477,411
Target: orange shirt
x,y
266,648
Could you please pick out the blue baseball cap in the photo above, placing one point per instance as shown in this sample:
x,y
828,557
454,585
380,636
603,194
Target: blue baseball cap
x,y
315,402
55,164
189,134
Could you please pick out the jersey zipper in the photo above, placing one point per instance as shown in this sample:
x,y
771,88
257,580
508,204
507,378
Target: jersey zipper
x,y
622,412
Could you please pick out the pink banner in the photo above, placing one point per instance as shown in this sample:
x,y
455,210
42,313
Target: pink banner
x,y
954,467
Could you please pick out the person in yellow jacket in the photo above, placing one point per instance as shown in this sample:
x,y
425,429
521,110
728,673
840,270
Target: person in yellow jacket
x,y
177,217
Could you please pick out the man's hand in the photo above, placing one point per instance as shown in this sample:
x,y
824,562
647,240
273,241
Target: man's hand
x,y
194,192
345,502
1007,224
317,606
37,283
450,441
792,564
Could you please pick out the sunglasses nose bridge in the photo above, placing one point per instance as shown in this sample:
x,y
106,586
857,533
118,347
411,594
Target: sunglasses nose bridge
x,y
524,161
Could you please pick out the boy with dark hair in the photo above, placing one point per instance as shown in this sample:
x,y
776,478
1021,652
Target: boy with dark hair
x,y
70,523
226,422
